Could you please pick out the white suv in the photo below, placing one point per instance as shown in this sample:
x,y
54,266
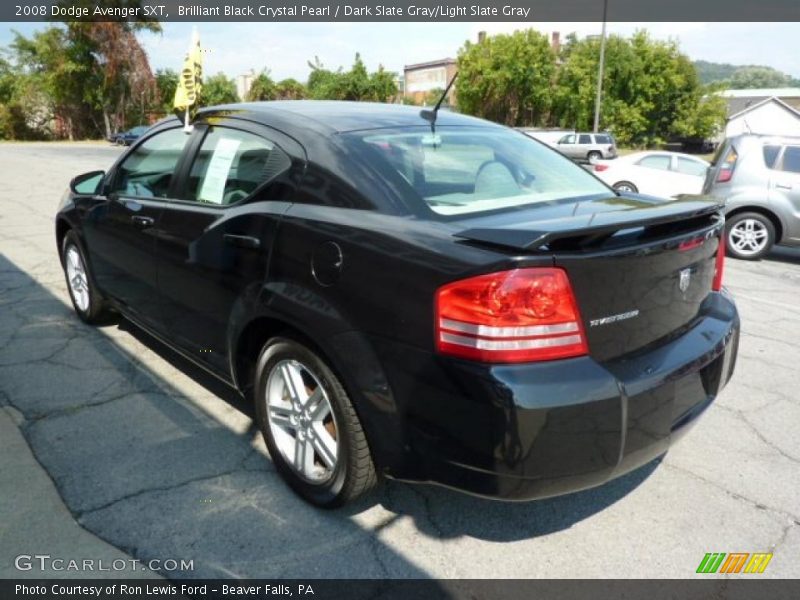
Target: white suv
x,y
588,146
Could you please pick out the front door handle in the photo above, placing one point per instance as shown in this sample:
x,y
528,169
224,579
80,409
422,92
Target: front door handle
x,y
143,222
782,186
243,241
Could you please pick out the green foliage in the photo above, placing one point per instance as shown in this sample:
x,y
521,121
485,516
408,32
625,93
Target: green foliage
x,y
290,89
355,84
218,89
166,84
759,77
80,79
507,78
742,77
651,92
262,88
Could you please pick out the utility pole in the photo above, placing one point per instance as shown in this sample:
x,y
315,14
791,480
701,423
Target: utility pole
x,y
600,70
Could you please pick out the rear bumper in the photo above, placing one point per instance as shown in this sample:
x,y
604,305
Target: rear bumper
x,y
520,432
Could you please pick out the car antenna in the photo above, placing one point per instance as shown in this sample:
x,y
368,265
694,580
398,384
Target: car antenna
x,y
430,115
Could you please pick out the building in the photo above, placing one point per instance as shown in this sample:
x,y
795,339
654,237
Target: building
x,y
421,79
243,84
738,100
772,116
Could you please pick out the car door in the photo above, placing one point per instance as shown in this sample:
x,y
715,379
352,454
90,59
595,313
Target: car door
x,y
121,228
652,175
215,239
784,192
567,145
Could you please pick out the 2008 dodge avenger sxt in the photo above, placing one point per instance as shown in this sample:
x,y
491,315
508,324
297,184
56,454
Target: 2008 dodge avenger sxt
x,y
424,296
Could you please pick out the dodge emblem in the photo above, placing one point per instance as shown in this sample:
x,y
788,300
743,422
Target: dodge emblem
x,y
685,279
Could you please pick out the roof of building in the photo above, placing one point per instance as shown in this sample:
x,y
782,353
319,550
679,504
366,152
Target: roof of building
x,y
762,93
430,64
756,105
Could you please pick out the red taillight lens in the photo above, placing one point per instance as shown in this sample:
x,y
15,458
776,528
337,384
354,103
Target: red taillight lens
x,y
508,317
728,165
599,167
719,265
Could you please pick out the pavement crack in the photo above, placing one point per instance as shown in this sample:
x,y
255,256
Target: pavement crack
x,y
735,495
741,415
167,488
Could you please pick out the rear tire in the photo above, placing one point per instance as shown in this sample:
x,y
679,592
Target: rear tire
x,y
626,186
310,427
749,236
593,156
88,302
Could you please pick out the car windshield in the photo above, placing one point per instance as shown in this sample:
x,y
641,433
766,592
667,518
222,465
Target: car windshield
x,y
464,170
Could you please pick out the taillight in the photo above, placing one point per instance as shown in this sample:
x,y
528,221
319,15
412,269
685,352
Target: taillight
x,y
509,317
719,265
728,165
599,167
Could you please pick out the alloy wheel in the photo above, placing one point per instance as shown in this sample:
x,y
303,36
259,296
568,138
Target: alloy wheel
x,y
302,421
748,237
76,276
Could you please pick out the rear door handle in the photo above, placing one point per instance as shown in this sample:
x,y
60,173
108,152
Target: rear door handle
x,y
242,241
143,222
782,186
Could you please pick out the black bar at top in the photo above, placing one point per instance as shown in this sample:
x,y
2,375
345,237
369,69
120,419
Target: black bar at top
x,y
414,10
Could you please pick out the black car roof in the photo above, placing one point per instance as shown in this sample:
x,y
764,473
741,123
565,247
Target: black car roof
x,y
330,116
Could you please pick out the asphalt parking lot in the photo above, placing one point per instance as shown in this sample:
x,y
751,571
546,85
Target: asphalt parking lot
x,y
160,461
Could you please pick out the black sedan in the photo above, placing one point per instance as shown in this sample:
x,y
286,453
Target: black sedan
x,y
425,297
126,138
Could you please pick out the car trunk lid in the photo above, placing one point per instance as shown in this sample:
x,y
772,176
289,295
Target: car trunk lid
x,y
640,267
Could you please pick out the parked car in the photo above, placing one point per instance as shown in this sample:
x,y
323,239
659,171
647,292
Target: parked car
x,y
588,146
126,138
465,307
665,174
758,177
550,137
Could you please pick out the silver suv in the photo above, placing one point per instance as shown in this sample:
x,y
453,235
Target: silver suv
x,y
588,146
758,176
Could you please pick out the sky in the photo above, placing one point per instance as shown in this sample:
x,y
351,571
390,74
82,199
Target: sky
x,y
285,48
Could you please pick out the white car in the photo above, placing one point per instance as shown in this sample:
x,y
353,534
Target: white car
x,y
665,174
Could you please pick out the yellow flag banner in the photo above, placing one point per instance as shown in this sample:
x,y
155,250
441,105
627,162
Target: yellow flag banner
x,y
190,80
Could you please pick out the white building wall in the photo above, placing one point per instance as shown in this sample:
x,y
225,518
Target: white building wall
x,y
771,119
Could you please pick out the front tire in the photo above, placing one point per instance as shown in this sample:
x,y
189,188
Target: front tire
x,y
310,427
89,304
750,236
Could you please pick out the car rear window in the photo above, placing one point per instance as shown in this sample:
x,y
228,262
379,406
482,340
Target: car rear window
x,y
688,166
791,159
603,139
464,170
771,155
585,139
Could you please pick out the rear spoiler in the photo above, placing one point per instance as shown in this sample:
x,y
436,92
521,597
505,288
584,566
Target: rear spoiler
x,y
539,235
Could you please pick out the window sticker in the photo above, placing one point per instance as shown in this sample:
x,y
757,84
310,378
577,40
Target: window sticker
x,y
219,166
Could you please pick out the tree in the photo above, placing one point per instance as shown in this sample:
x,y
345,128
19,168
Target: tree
x,y
651,91
383,85
263,88
126,83
166,84
218,89
507,78
356,84
758,77
290,89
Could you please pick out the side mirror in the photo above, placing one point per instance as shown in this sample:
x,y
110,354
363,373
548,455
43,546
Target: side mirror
x,y
87,183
